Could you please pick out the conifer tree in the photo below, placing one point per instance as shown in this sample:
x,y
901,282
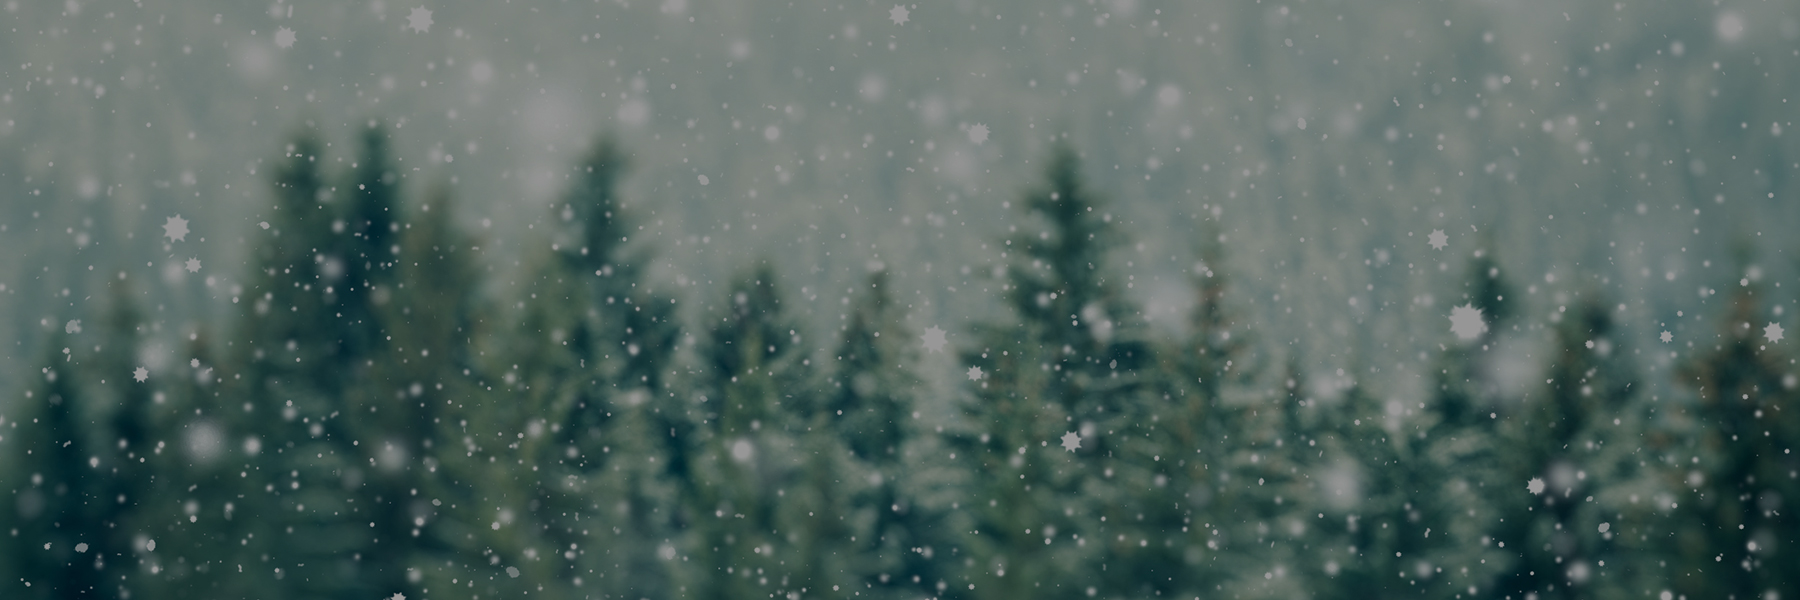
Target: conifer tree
x,y
57,496
1576,437
872,409
1732,530
1191,452
583,389
127,416
367,247
1059,370
748,454
313,360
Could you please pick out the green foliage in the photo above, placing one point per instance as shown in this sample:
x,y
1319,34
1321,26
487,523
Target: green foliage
x,y
377,424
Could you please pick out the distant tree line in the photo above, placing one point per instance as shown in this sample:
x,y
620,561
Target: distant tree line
x,y
610,450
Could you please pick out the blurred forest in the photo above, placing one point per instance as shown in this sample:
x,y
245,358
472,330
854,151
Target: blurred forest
x,y
1101,299
610,450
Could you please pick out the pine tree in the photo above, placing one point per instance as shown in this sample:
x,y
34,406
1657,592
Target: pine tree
x,y
430,313
747,454
129,423
583,392
286,298
1425,470
1194,448
868,482
314,361
1578,438
1732,531
366,248
61,543
1062,369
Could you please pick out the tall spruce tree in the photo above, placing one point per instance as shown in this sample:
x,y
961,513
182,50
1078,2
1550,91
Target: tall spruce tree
x,y
871,409
1732,530
1580,437
367,247
1059,370
748,453
312,362
60,543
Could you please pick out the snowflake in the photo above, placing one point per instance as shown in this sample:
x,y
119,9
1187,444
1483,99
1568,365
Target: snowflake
x,y
1666,337
140,374
284,37
398,596
1773,332
978,134
264,224
176,229
1535,486
1466,323
193,265
974,373
934,339
419,20
1438,239
72,326
1071,441
898,14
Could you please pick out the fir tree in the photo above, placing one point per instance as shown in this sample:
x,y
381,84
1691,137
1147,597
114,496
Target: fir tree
x,y
366,247
1733,531
1576,437
870,408
758,376
1062,369
62,543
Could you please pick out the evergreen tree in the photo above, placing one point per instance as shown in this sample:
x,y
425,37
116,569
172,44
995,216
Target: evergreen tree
x,y
286,296
314,361
586,399
60,543
1194,450
129,422
1732,531
1579,439
430,314
1062,369
748,456
867,483
366,248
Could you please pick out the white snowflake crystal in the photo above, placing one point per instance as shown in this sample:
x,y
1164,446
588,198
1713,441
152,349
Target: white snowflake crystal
x,y
898,14
1466,323
978,134
284,38
176,229
934,339
419,20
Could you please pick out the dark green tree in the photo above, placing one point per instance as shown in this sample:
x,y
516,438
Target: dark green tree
x,y
367,247
1062,366
1579,437
748,457
1732,530
62,545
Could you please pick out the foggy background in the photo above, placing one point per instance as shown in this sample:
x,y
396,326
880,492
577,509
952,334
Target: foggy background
x,y
1610,148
